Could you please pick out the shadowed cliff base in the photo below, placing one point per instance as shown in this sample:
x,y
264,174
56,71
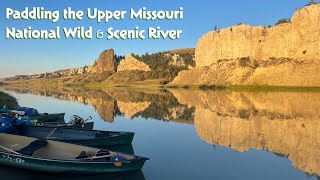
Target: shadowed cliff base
x,y
232,73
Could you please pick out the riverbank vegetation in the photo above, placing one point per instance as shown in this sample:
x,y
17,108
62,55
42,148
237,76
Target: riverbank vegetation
x,y
160,66
8,100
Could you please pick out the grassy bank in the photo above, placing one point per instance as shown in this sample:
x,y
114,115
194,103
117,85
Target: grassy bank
x,y
273,88
248,88
145,84
157,84
9,101
201,87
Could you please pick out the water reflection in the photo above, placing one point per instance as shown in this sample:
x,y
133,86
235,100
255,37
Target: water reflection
x,y
284,123
156,104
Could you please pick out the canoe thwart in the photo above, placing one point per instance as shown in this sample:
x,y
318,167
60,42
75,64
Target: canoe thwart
x,y
32,147
101,154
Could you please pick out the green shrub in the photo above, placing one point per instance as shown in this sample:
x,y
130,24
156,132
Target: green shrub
x,y
210,87
9,101
188,59
283,20
244,61
159,64
311,2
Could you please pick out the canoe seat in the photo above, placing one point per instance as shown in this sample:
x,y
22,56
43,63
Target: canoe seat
x,y
32,147
103,153
82,155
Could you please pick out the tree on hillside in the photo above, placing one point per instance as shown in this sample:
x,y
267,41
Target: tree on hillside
x,y
283,20
311,2
188,59
118,58
159,63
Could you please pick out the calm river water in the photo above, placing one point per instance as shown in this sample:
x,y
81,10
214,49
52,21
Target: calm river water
x,y
193,134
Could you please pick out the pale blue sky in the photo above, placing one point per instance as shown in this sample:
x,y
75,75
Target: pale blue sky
x,y
37,56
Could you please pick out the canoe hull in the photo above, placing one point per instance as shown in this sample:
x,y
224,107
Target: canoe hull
x,y
100,142
58,117
83,137
88,125
67,167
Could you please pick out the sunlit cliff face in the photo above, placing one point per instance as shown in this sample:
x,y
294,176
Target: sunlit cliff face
x,y
280,122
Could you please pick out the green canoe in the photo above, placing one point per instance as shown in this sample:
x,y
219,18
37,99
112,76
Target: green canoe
x,y
86,125
20,174
77,136
45,117
58,157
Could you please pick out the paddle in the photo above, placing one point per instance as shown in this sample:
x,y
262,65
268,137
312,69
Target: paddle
x,y
96,157
10,150
51,133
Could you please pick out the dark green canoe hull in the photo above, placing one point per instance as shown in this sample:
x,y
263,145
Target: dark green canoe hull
x,y
100,142
88,125
127,149
19,174
68,167
93,138
58,117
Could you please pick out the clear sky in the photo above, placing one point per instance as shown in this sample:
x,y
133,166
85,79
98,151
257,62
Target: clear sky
x,y
200,17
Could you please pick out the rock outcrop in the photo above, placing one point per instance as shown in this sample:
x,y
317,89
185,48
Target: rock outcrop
x,y
246,55
78,71
132,64
176,60
297,39
104,63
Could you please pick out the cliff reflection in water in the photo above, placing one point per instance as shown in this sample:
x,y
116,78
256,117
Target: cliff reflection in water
x,y
131,103
284,123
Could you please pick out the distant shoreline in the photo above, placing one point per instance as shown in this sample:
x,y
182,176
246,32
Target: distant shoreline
x,y
151,84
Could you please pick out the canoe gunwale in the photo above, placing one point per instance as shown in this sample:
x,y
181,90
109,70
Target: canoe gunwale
x,y
106,137
135,159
